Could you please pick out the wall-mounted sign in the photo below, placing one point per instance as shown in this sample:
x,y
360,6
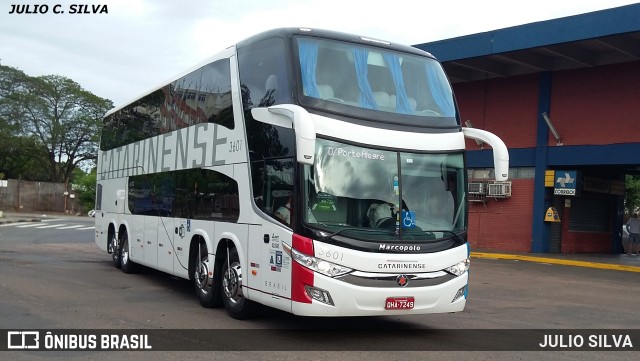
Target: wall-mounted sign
x,y
551,215
565,182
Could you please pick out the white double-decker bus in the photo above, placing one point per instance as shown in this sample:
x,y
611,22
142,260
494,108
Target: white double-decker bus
x,y
311,171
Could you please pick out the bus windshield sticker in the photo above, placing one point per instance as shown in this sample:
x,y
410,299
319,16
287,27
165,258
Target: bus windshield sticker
x,y
325,202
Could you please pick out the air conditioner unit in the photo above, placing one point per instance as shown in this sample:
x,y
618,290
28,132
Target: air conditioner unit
x,y
477,188
500,190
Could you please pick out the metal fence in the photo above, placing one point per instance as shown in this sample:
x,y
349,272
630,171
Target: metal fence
x,y
28,196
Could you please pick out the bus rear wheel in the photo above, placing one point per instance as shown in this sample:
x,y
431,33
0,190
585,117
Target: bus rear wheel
x,y
235,303
126,264
113,247
204,281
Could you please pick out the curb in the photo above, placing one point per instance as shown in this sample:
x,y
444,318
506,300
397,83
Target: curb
x,y
21,220
564,262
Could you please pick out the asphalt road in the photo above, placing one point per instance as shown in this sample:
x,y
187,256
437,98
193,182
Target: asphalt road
x,y
56,278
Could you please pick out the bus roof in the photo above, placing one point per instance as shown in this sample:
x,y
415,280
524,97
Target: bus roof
x,y
333,35
284,33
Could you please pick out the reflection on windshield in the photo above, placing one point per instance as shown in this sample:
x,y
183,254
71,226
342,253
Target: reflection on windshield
x,y
401,195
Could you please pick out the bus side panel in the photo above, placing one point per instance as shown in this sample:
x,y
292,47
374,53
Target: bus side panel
x,y
136,238
111,207
101,225
191,229
166,239
150,241
238,235
269,266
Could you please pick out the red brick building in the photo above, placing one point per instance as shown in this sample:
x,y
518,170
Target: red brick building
x,y
564,95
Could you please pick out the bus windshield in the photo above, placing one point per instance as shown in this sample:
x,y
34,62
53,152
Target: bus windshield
x,y
373,194
347,78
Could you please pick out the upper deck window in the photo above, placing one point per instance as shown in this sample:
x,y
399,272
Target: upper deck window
x,y
346,77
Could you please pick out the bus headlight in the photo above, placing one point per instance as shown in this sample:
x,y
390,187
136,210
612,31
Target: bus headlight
x,y
459,268
315,264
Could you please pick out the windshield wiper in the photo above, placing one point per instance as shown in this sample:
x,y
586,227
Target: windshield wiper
x,y
454,234
331,235
379,231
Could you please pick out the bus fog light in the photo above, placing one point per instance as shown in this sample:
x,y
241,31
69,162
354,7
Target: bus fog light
x,y
459,294
319,294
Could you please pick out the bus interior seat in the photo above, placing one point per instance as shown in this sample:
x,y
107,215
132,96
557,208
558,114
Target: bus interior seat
x,y
280,198
412,102
279,203
271,83
382,99
326,91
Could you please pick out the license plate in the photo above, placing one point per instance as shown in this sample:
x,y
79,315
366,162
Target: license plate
x,y
399,303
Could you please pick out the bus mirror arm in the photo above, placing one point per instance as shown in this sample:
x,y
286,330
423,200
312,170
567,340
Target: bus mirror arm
x,y
500,152
297,118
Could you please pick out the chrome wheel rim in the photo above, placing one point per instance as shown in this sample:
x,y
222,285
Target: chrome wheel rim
x,y
125,252
232,283
202,277
112,245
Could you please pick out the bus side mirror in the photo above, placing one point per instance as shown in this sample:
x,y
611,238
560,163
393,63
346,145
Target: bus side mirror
x,y
297,118
500,152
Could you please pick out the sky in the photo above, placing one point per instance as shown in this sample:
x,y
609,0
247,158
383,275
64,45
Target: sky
x,y
140,44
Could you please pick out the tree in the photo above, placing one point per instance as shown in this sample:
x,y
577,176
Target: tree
x,y
632,194
14,149
84,185
57,115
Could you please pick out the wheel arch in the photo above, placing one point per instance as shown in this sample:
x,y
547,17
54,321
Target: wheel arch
x,y
193,251
229,241
124,228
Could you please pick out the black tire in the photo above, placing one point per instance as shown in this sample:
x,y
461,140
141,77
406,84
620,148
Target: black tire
x,y
235,303
207,287
126,264
113,247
